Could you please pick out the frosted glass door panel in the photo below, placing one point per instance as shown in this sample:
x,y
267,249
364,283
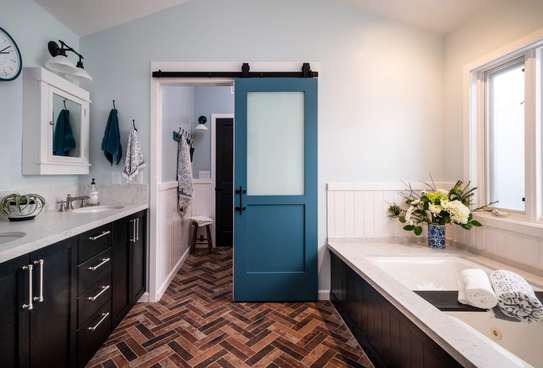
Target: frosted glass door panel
x,y
275,143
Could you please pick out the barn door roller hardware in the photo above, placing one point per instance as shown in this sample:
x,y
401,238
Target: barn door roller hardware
x,y
245,72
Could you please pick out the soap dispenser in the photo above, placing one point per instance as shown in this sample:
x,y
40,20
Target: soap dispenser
x,y
93,195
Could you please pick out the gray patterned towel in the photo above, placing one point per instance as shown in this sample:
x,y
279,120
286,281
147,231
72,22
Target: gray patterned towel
x,y
133,163
184,177
516,298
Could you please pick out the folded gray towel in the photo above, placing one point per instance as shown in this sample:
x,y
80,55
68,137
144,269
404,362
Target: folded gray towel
x,y
516,298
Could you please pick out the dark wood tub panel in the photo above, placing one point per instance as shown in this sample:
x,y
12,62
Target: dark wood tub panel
x,y
389,338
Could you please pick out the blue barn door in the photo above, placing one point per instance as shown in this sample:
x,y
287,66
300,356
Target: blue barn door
x,y
275,222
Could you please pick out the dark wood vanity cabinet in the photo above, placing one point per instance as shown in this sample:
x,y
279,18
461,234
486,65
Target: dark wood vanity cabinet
x,y
94,282
137,258
129,263
36,312
60,303
14,320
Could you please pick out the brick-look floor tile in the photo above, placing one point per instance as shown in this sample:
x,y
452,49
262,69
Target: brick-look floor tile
x,y
197,325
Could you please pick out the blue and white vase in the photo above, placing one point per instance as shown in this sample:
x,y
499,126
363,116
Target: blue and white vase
x,y
436,236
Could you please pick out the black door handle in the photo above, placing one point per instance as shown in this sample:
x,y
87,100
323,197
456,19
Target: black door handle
x,y
241,192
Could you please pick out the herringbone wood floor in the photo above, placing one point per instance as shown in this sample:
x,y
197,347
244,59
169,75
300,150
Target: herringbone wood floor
x,y
197,325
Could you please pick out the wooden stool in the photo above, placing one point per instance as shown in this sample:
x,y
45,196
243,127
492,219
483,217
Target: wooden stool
x,y
197,222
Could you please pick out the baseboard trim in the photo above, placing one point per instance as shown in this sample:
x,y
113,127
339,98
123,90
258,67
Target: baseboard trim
x,y
144,298
162,289
324,294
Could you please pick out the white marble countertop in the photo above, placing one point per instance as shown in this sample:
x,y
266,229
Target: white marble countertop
x,y
461,341
51,227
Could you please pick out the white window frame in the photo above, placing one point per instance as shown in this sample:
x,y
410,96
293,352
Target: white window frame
x,y
475,125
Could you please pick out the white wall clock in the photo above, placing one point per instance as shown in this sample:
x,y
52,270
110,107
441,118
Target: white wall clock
x,y
11,61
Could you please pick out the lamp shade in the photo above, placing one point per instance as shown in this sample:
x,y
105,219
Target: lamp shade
x,y
79,75
61,64
199,129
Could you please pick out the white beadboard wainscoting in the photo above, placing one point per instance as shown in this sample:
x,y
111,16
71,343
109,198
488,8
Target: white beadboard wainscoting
x,y
174,231
517,246
358,210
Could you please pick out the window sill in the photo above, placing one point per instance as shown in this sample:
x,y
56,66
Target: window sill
x,y
513,222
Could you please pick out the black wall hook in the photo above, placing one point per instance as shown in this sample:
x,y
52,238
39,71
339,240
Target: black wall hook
x,y
115,108
134,124
65,108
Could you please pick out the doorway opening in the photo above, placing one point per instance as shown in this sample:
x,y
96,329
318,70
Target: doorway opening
x,y
203,111
170,234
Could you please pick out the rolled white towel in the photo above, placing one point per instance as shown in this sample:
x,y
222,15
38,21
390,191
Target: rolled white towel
x,y
474,289
516,298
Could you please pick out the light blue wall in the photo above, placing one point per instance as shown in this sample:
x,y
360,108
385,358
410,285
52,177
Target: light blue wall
x,y
380,88
31,27
177,111
209,100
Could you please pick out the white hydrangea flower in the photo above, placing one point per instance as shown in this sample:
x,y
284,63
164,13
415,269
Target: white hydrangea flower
x,y
459,212
435,209
409,215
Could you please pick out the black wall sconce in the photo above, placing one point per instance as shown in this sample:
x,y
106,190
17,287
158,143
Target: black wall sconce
x,y
60,63
201,127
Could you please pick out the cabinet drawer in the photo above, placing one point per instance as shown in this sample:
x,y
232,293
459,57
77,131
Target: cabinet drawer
x,y
93,242
90,301
93,334
95,269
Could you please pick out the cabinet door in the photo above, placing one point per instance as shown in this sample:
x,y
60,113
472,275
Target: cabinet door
x,y
120,295
51,323
14,319
137,257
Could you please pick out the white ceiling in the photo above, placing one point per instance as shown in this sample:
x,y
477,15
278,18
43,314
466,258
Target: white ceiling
x,y
441,16
86,17
89,16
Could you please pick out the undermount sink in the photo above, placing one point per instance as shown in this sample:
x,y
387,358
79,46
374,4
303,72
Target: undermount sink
x,y
6,237
96,209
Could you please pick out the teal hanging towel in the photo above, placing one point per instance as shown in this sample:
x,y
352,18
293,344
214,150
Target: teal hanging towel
x,y
63,137
111,143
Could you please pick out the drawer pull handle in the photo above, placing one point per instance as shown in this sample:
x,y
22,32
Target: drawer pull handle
x,y
103,289
133,238
104,316
104,233
104,261
40,263
30,304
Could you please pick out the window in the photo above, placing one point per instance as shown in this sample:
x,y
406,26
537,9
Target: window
x,y
504,129
506,135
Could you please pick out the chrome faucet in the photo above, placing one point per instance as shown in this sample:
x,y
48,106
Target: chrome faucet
x,y
69,201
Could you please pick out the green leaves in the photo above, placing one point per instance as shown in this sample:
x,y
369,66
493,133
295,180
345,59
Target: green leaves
x,y
416,229
394,210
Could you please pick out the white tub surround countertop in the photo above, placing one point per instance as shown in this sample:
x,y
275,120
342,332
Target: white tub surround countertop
x,y
462,342
51,227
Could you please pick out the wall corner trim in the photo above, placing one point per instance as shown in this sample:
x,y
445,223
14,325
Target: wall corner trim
x,y
162,289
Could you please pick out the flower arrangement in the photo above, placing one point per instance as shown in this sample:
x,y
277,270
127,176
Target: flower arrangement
x,y
436,207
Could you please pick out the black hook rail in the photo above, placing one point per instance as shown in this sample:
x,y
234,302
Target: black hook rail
x,y
182,133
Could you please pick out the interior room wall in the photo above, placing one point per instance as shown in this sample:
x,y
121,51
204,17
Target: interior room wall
x,y
494,26
209,100
177,111
380,89
31,27
490,29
